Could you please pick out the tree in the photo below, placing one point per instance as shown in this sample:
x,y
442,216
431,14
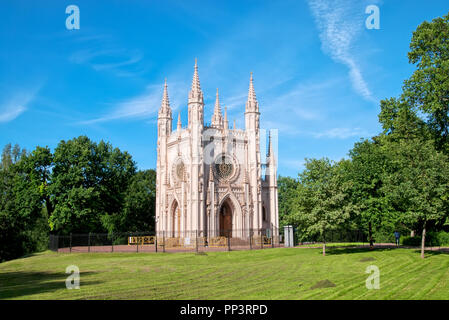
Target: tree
x,y
139,206
6,157
89,180
287,189
418,185
22,223
37,165
324,204
428,88
400,120
367,169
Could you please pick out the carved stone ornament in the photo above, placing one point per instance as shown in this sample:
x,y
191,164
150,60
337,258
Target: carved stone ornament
x,y
225,167
178,170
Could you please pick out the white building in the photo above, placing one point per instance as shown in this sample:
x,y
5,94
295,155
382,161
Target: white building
x,y
210,179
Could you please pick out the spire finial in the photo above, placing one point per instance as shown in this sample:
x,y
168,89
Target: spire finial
x,y
216,117
270,153
252,104
269,144
196,78
179,122
226,123
165,104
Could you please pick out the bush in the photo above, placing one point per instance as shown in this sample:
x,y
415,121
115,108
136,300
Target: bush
x,y
383,236
411,241
440,238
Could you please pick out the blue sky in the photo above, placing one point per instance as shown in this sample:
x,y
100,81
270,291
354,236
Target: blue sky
x,y
319,73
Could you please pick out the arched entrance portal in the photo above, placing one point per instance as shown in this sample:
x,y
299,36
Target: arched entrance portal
x,y
226,219
176,220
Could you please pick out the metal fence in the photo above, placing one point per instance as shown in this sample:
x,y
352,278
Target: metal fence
x,y
336,236
186,241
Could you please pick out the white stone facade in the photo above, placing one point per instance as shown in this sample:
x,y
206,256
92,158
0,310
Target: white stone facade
x,y
210,179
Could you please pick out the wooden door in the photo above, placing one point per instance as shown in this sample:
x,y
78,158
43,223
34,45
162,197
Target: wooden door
x,y
225,221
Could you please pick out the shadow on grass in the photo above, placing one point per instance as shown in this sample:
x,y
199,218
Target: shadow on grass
x,y
346,250
433,252
336,251
21,283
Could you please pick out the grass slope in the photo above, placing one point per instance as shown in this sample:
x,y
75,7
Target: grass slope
x,y
284,273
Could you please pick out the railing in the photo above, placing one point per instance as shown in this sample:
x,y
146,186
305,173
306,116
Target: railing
x,y
222,240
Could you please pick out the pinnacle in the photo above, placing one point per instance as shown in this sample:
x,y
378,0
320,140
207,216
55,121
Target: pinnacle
x,y
217,118
226,123
196,87
165,104
252,104
179,121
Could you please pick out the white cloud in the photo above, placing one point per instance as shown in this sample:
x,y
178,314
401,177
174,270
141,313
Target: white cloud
x,y
16,104
341,133
102,53
293,163
339,23
145,105
11,113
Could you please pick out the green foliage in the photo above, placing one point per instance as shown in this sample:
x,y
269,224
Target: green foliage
x,y
322,202
428,88
22,224
287,188
138,212
411,241
418,182
82,187
89,180
440,238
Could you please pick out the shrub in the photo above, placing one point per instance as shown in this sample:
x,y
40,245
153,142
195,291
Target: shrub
x,y
440,238
411,241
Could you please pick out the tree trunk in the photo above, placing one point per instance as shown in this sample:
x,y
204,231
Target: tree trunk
x,y
324,248
423,240
48,205
370,235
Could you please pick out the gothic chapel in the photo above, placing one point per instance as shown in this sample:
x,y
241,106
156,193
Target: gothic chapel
x,y
210,179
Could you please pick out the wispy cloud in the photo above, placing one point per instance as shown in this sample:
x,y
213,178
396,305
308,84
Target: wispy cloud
x,y
11,113
16,104
339,23
340,133
108,59
293,163
144,105
304,101
103,53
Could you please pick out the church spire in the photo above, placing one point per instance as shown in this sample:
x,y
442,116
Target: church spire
x,y
179,122
165,110
195,91
251,104
270,152
226,123
216,117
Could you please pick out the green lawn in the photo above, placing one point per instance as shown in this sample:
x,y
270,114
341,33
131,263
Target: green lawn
x,y
283,273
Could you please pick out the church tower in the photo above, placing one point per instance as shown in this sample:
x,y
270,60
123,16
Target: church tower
x,y
210,178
